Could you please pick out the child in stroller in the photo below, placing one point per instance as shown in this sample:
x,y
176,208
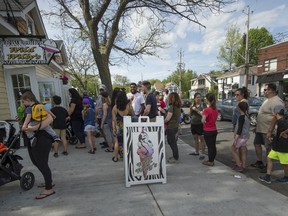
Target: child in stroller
x,y
10,168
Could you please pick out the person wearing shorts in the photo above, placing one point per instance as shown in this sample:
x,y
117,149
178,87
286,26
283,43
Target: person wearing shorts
x,y
197,126
241,137
265,123
279,147
59,124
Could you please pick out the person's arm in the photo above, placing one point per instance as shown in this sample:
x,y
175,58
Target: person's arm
x,y
168,117
204,116
105,109
147,110
114,122
52,114
26,122
271,128
41,125
71,108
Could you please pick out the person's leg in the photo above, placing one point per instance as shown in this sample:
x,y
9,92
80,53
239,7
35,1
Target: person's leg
x,y
64,140
235,155
196,140
89,138
171,139
41,155
244,152
210,139
269,166
116,149
202,144
78,129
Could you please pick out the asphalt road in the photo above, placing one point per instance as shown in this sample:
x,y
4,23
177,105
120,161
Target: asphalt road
x,y
224,141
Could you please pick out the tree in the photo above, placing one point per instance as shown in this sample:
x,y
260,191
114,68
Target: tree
x,y
228,51
121,81
107,25
258,38
186,77
80,64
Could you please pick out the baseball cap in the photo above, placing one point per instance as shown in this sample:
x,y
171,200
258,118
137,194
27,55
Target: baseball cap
x,y
102,86
85,101
279,109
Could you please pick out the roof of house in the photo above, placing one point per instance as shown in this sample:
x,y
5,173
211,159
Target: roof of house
x,y
13,5
239,71
273,45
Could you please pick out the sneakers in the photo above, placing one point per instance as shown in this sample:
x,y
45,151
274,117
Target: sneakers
x,y
283,179
258,164
172,160
33,141
265,179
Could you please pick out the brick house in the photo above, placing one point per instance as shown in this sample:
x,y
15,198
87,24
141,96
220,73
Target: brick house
x,y
273,67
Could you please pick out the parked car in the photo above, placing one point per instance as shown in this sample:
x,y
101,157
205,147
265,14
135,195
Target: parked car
x,y
186,103
226,107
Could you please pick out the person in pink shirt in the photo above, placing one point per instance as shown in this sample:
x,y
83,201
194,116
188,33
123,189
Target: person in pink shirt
x,y
209,117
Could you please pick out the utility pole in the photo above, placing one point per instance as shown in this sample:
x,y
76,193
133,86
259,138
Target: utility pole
x,y
180,68
247,47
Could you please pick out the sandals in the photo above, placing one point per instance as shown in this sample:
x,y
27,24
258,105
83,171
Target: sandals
x,y
108,150
91,151
194,154
114,159
44,195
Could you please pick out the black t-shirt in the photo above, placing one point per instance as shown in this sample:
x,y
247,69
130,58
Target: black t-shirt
x,y
77,113
61,114
151,99
280,144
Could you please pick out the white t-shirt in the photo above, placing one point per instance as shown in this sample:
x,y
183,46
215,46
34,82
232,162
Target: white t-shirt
x,y
137,101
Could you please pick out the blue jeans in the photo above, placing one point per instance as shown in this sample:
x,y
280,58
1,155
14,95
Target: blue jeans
x,y
78,129
172,141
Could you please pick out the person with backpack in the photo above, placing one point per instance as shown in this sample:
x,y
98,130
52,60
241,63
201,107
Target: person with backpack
x,y
59,124
39,153
32,113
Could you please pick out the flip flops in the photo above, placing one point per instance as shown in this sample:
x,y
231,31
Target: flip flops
x,y
108,150
44,195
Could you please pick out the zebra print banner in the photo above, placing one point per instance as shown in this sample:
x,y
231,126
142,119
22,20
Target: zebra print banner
x,y
144,151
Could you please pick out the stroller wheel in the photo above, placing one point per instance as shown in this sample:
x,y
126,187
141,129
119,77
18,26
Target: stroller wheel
x,y
27,181
73,140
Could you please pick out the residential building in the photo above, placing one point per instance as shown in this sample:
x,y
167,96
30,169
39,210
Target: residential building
x,y
273,67
202,84
28,59
230,81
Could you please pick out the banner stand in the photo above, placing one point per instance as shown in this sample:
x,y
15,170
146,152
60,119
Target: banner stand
x,y
144,151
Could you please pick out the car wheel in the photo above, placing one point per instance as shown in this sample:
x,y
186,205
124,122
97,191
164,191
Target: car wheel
x,y
219,117
253,119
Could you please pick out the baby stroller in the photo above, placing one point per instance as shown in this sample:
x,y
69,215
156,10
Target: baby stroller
x,y
10,168
70,136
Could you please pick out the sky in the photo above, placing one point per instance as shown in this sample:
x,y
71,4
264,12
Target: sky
x,y
200,46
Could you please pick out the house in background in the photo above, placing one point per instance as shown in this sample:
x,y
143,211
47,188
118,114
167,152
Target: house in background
x,y
24,57
173,87
273,68
202,84
230,81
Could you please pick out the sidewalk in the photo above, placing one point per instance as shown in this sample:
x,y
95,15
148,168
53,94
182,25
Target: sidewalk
x,y
94,185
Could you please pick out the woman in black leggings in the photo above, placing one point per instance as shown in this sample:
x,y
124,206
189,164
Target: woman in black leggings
x,y
39,154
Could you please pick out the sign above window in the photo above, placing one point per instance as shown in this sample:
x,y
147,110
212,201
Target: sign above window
x,y
27,52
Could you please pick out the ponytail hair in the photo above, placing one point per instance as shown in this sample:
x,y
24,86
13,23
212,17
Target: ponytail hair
x,y
243,92
212,101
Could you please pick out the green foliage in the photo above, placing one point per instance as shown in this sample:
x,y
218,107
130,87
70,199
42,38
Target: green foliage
x,y
227,52
186,77
214,90
258,38
92,84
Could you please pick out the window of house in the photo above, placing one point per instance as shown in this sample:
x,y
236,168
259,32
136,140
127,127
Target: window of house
x,y
201,82
270,65
30,25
